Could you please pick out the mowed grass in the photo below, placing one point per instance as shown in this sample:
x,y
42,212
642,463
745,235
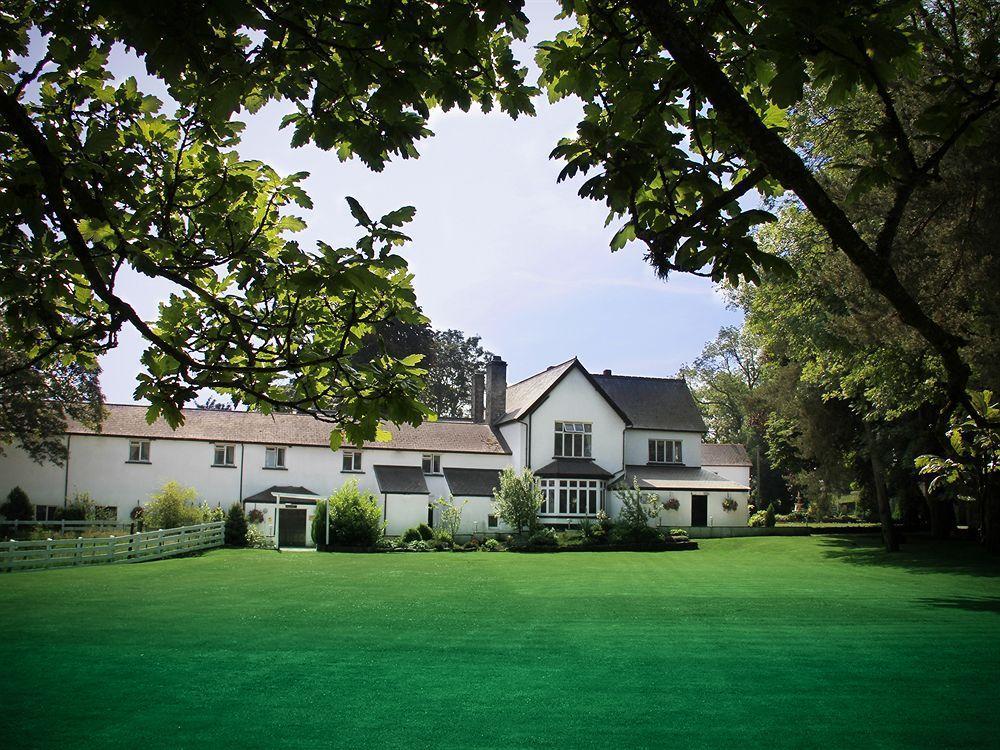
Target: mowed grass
x,y
765,642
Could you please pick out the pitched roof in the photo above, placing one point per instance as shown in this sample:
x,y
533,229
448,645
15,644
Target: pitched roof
x,y
443,436
524,396
268,495
677,478
724,454
581,468
654,403
401,480
472,482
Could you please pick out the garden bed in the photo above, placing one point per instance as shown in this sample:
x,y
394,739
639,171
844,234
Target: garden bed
x,y
674,546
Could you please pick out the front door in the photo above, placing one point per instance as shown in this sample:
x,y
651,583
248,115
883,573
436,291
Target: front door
x,y
292,527
699,510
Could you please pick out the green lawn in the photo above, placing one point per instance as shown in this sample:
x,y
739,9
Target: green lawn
x,y
761,642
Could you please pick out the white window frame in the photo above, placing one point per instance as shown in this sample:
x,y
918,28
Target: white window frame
x,y
228,455
665,451
577,437
274,457
431,463
351,462
140,449
562,498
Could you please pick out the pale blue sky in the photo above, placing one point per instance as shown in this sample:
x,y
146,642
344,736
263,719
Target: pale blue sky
x,y
499,248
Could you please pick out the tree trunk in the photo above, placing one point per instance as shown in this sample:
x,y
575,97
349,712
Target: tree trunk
x,y
989,522
941,514
881,494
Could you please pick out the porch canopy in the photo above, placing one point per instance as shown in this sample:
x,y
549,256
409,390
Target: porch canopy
x,y
472,482
573,468
678,478
280,493
400,480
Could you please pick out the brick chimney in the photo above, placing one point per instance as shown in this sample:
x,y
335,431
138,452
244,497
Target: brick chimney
x,y
478,393
496,389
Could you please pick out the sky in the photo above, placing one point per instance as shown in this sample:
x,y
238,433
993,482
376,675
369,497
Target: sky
x,y
500,249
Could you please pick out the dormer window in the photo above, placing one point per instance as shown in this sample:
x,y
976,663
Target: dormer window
x,y
665,452
573,440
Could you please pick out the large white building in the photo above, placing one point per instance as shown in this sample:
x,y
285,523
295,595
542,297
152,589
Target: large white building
x,y
582,434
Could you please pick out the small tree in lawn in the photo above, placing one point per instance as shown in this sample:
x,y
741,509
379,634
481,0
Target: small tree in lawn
x,y
517,499
236,526
451,514
18,507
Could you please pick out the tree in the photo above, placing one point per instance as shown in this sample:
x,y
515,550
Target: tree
x,y
638,509
38,400
517,499
451,514
686,114
236,526
453,359
98,177
354,518
213,404
17,507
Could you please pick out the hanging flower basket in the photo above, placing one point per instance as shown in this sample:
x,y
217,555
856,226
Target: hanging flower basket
x,y
255,516
728,504
671,503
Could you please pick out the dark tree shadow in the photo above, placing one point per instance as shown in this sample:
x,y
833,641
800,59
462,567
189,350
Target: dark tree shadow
x,y
970,603
919,554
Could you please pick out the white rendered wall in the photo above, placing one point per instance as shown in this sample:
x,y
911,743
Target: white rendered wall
x,y
575,400
682,516
44,483
637,445
739,474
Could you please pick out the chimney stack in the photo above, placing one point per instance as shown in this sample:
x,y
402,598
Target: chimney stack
x,y
496,389
478,392
607,372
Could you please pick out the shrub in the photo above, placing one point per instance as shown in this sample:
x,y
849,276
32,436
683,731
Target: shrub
x,y
211,514
385,544
679,533
769,516
425,531
517,499
411,535
591,532
636,535
257,540
418,546
171,507
18,507
355,518
492,545
451,514
543,537
236,526
80,508
638,509
255,516
758,520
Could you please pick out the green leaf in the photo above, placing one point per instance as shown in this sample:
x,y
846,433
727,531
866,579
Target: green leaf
x,y
358,212
336,439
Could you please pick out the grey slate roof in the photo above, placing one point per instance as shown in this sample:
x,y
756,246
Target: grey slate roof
x,y
724,454
522,396
654,403
401,480
268,495
472,482
443,436
677,478
580,468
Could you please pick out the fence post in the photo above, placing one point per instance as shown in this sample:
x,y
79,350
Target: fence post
x,y
111,548
79,551
48,553
159,545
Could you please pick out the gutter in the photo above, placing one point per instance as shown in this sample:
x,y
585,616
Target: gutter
x,y
66,476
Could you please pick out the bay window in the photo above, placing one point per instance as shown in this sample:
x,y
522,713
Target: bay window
x,y
571,497
573,440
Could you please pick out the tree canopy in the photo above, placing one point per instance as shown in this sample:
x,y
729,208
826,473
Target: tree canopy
x,y
98,176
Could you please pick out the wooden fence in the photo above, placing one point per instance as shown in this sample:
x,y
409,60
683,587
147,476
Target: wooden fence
x,y
145,545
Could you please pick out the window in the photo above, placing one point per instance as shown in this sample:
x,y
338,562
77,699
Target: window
x,y
571,497
138,451
491,521
274,457
46,512
432,463
352,461
665,452
225,455
572,440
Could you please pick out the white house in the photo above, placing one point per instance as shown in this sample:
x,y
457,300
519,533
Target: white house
x,y
582,435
